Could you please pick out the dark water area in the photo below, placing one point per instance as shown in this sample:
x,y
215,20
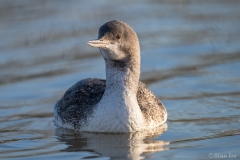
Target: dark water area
x,y
190,58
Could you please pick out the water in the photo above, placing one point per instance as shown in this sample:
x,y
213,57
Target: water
x,y
190,60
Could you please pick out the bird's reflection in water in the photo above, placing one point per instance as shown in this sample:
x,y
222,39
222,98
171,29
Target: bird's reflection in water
x,y
113,145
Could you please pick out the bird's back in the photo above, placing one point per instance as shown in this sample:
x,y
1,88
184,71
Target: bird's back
x,y
78,103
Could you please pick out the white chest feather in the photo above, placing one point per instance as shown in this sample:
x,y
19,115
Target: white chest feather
x,y
118,110
116,113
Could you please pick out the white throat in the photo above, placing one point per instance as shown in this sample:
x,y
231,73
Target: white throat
x,y
118,110
112,52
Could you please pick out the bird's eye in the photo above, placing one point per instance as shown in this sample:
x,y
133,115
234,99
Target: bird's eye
x,y
118,37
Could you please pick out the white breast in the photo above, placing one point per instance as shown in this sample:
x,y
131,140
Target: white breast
x,y
120,113
116,112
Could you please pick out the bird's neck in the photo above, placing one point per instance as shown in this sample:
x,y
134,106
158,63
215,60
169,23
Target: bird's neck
x,y
122,77
118,110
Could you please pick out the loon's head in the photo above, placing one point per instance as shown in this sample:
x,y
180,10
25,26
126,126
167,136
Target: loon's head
x,y
117,41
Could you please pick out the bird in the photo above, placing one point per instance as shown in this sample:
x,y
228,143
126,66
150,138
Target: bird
x,y
121,103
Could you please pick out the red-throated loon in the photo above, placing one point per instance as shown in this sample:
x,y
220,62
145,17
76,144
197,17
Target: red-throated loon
x,y
121,103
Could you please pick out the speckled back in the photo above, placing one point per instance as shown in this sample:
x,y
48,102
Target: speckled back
x,y
78,102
